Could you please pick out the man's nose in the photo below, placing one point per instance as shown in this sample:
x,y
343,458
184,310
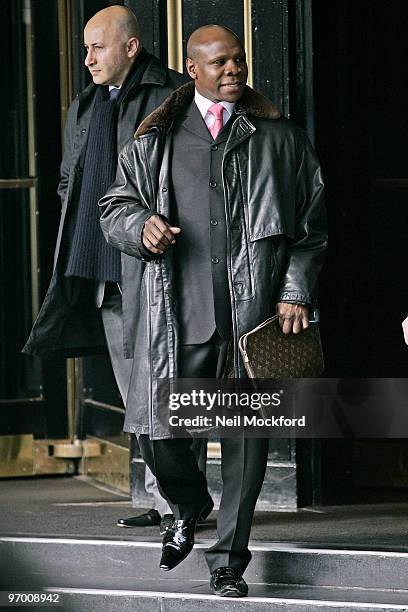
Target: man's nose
x,y
232,67
90,58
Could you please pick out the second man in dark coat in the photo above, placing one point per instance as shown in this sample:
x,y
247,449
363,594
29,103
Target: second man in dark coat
x,y
93,295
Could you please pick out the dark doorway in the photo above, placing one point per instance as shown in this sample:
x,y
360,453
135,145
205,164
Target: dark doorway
x,y
360,90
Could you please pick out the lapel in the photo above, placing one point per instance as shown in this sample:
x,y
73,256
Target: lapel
x,y
194,123
225,132
129,115
241,129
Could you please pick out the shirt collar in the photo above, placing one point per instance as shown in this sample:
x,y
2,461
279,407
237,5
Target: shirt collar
x,y
204,104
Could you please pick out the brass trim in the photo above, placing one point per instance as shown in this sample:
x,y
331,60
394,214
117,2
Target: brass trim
x,y
248,40
111,467
21,455
66,87
76,450
213,450
16,455
91,448
104,406
35,266
46,463
29,35
18,183
65,53
175,35
72,394
21,400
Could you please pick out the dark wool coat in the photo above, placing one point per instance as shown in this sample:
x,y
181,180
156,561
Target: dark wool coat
x,y
68,324
276,233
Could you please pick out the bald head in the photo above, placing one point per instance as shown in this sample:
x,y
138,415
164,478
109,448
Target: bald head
x,y
112,41
206,35
216,61
119,17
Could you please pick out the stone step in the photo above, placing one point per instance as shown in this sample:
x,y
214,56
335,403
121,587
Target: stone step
x,y
134,560
176,596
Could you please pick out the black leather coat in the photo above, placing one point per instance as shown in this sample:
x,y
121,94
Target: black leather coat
x,y
276,233
68,324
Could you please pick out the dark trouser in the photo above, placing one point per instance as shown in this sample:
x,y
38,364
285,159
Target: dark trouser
x,y
243,464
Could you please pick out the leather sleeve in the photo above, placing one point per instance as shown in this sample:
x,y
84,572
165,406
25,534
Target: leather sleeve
x,y
307,249
127,204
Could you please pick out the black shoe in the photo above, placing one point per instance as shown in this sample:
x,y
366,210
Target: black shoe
x,y
149,519
166,523
227,582
178,541
205,512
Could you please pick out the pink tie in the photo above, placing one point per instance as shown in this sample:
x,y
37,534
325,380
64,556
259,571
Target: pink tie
x,y
216,110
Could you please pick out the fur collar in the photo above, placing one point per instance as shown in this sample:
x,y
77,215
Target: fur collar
x,y
251,102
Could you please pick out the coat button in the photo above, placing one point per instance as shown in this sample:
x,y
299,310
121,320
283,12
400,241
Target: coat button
x,y
213,184
214,147
83,131
215,260
214,222
164,189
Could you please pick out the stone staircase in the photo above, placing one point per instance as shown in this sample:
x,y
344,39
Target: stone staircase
x,y
121,574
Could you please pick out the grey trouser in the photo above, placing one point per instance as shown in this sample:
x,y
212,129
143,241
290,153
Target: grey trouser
x,y
111,313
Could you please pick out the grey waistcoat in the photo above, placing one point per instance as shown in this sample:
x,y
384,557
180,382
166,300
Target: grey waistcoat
x,y
201,249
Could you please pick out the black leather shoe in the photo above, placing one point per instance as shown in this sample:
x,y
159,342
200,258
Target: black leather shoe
x,y
227,582
205,512
166,523
178,541
149,519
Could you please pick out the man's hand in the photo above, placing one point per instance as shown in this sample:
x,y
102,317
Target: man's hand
x,y
158,235
405,328
292,317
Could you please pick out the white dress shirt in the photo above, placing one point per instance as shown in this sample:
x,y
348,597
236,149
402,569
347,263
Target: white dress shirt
x,y
204,104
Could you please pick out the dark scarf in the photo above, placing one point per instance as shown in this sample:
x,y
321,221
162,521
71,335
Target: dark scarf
x,y
90,255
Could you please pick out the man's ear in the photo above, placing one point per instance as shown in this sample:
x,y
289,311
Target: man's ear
x,y
191,68
132,46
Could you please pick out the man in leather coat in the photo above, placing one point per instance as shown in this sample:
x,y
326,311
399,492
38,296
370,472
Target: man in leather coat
x,y
221,197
